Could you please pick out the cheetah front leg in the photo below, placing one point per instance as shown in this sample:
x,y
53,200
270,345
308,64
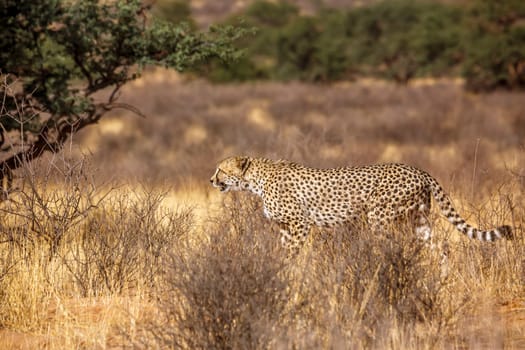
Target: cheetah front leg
x,y
293,236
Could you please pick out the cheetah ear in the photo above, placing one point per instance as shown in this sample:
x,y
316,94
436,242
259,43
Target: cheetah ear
x,y
244,164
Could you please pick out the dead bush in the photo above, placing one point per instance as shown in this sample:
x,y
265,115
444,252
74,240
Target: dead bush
x,y
54,196
226,292
124,243
234,289
64,235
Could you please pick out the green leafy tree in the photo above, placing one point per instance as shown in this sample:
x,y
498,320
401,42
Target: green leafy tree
x,y
175,11
395,39
403,39
260,59
313,48
55,55
296,48
495,45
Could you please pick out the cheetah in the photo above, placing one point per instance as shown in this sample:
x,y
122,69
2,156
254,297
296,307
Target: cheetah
x,y
298,197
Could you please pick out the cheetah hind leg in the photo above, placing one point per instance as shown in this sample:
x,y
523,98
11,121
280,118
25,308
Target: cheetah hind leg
x,y
422,224
424,232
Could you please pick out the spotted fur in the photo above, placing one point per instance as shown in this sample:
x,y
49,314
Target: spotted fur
x,y
298,197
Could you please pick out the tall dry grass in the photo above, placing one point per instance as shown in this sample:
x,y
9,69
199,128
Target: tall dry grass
x,y
346,290
132,273
97,252
75,251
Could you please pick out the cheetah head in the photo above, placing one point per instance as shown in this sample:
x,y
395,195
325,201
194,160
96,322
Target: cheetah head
x,y
230,173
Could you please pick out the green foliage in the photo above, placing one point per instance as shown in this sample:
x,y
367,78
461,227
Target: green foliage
x,y
55,55
270,14
100,43
397,40
333,60
393,39
404,39
495,45
296,48
288,46
312,49
260,48
175,11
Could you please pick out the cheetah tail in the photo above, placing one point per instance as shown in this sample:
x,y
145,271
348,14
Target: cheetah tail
x,y
455,219
506,232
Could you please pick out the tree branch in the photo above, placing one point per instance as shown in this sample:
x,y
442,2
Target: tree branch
x,y
51,138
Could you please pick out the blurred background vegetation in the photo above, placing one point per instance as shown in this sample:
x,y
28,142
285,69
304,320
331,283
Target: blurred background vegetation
x,y
482,41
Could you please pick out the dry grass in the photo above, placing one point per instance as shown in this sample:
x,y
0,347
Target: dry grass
x,y
99,252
